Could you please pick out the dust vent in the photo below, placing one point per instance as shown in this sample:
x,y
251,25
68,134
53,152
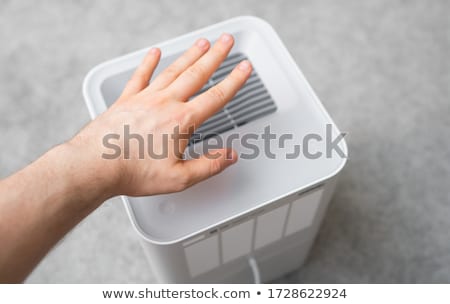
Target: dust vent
x,y
251,102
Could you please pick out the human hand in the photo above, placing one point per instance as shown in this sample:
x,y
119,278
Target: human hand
x,y
54,193
157,109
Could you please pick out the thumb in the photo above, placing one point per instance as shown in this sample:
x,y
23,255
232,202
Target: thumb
x,y
209,164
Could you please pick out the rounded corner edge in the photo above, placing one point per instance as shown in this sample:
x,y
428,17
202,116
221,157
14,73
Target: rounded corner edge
x,y
137,227
344,159
258,21
87,84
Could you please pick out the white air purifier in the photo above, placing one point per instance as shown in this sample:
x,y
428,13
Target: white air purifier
x,y
258,219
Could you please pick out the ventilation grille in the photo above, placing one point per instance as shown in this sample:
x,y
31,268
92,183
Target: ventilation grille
x,y
251,102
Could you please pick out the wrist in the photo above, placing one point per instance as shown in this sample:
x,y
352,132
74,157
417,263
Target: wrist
x,y
86,177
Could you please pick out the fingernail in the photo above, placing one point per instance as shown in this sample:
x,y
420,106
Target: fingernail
x,y
235,159
226,38
202,43
154,50
231,156
244,66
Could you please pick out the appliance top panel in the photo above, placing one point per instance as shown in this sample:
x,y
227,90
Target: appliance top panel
x,y
285,138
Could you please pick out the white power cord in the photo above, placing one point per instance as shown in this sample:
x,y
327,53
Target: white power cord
x,y
255,270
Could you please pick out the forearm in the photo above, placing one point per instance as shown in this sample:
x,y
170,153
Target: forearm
x,y
41,203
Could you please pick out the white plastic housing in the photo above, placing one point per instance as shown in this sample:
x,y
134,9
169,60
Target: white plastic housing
x,y
267,208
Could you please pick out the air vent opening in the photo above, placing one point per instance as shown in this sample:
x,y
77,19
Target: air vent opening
x,y
253,101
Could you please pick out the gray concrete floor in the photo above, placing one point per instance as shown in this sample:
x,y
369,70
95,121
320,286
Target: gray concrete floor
x,y
380,67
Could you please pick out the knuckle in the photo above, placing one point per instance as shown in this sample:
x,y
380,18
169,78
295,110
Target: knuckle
x,y
132,83
171,71
182,181
187,117
218,93
184,119
215,166
139,74
196,71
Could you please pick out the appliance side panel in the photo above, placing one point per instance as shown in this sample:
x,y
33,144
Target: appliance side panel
x,y
237,241
303,211
293,249
269,226
167,262
281,239
203,256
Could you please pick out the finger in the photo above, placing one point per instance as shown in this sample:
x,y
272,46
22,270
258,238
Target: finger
x,y
211,101
167,76
141,76
208,164
195,77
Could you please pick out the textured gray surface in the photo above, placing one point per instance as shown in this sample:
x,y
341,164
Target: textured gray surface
x,y
381,68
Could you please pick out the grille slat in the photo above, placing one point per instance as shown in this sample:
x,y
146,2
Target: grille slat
x,y
227,66
252,108
253,101
262,112
242,100
223,121
248,89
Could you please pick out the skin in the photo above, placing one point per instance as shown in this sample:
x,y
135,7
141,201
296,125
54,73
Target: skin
x,y
42,202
